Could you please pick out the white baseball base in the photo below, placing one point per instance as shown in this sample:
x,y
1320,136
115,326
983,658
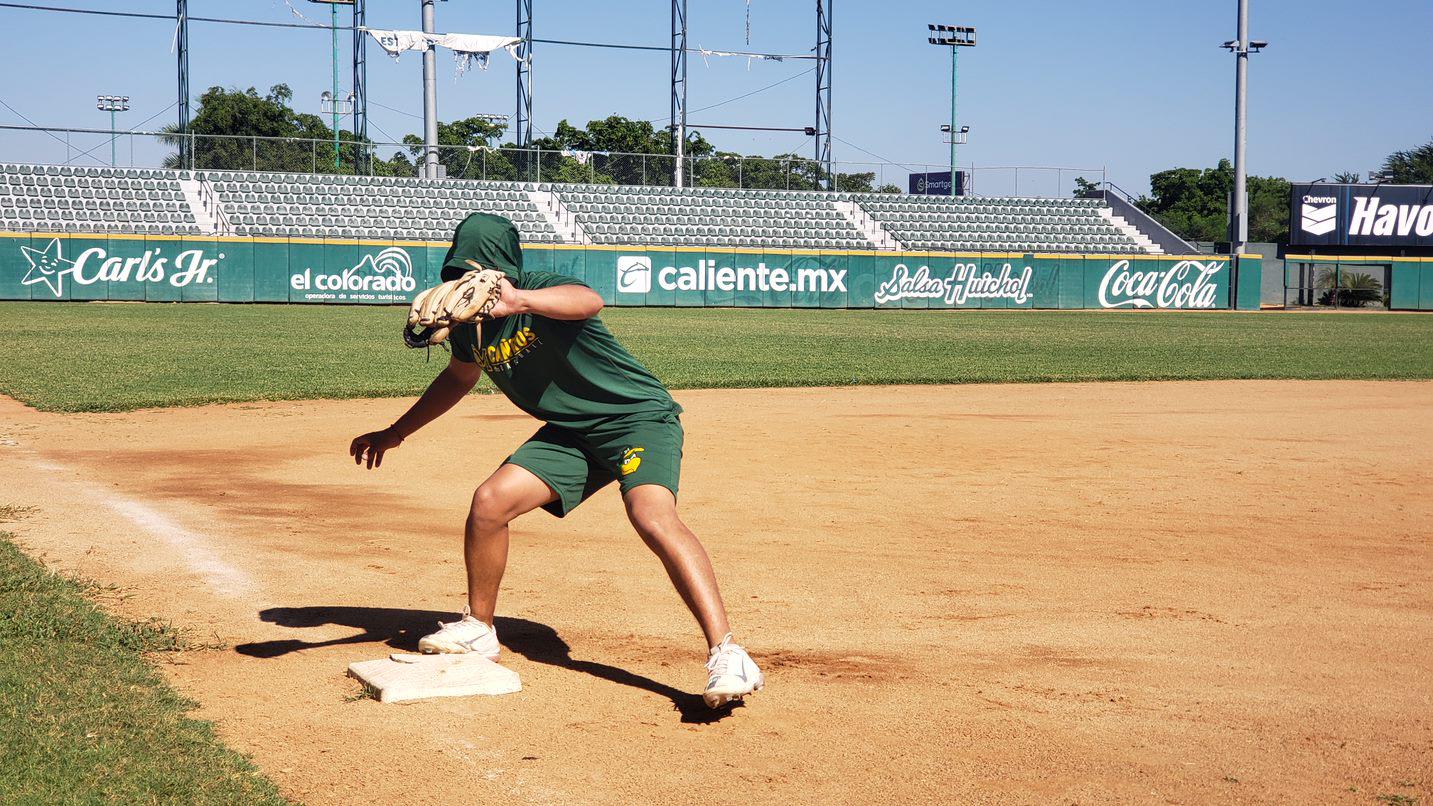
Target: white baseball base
x,y
400,677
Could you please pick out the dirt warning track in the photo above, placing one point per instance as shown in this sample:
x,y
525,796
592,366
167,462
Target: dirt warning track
x,y
1176,592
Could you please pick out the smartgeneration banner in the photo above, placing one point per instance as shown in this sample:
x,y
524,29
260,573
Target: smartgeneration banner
x,y
1361,215
83,267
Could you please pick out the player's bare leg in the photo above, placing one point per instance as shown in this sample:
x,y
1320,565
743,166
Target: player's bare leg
x,y
509,492
653,512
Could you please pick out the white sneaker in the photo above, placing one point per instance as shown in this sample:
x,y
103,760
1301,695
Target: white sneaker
x,y
465,635
733,674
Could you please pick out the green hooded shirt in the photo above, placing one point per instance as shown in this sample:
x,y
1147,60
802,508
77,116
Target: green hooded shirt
x,y
571,374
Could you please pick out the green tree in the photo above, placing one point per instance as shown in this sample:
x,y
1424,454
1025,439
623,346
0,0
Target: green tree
x,y
466,148
1194,203
231,126
1346,178
1349,289
856,183
1268,209
1085,189
1413,166
624,152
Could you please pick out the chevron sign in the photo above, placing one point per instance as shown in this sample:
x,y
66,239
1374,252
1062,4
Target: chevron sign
x,y
1320,216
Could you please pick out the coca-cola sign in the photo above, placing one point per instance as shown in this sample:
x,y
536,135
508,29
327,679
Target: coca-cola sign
x,y
1185,284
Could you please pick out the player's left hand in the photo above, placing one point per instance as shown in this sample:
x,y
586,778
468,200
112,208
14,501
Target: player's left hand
x,y
511,300
370,447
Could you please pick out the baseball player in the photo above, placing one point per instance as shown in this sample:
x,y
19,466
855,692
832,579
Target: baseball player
x,y
606,418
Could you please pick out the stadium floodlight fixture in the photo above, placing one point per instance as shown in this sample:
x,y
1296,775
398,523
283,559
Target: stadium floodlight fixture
x,y
961,134
953,35
342,106
1254,46
112,104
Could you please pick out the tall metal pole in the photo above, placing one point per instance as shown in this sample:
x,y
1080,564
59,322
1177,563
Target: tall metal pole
x,y
679,91
524,74
112,137
1239,218
181,36
333,25
360,87
954,51
823,90
430,99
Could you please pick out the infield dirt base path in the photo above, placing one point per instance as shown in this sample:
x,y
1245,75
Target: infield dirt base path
x,y
1173,592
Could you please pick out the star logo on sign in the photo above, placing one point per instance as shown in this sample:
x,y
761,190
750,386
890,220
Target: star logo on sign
x,y
47,266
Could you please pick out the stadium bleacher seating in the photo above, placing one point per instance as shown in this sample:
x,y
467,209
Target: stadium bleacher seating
x,y
965,223
64,198
50,198
666,216
315,205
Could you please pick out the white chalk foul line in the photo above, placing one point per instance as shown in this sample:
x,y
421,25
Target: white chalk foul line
x,y
194,548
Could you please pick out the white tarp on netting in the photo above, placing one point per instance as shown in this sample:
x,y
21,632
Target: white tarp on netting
x,y
467,48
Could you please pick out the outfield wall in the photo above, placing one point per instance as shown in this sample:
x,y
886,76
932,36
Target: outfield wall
x,y
50,266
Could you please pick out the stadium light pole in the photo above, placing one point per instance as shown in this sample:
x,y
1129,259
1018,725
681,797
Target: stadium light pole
x,y
430,98
954,37
678,120
333,27
332,95
112,104
1239,206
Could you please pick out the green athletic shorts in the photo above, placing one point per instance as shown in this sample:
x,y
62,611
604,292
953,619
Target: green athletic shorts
x,y
632,452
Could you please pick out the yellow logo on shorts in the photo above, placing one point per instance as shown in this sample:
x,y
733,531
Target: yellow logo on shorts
x,y
630,461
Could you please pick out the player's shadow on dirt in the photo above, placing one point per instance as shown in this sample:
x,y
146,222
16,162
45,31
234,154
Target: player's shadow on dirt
x,y
401,629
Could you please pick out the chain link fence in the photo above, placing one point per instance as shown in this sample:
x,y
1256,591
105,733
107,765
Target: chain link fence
x,y
151,149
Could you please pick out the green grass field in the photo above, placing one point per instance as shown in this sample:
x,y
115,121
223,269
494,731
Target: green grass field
x,y
84,718
115,357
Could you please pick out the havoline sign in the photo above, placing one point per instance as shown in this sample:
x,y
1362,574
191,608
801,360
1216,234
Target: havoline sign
x,y
1361,215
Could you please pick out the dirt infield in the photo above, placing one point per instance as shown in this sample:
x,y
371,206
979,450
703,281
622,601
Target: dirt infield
x,y
1176,592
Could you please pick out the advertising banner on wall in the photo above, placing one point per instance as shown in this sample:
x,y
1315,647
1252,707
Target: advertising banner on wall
x,y
1378,216
937,183
167,268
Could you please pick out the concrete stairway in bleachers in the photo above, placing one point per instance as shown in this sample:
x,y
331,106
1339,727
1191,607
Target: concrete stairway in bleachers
x,y
1134,233
204,204
557,214
868,226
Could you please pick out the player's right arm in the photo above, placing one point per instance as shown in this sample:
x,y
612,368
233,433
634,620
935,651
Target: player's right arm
x,y
451,385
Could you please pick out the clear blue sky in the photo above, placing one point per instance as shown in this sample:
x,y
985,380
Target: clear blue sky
x,y
1135,85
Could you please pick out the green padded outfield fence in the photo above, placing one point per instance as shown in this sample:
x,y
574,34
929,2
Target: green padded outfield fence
x,y
53,266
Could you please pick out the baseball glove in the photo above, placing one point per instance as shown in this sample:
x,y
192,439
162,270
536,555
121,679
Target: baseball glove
x,y
437,310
